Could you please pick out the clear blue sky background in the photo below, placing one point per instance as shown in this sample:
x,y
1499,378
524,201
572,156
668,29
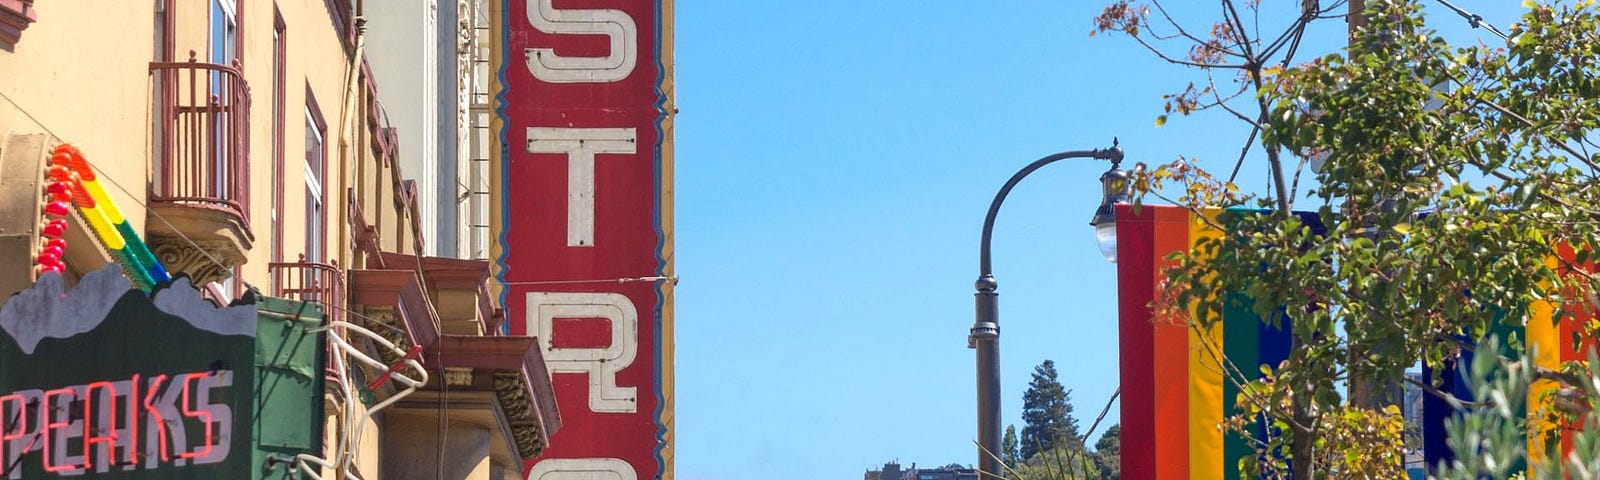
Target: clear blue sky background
x,y
834,162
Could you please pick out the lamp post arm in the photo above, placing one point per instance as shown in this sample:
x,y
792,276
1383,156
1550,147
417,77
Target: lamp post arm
x,y
1114,154
985,333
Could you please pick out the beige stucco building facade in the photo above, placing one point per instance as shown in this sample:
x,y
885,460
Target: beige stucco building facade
x,y
245,141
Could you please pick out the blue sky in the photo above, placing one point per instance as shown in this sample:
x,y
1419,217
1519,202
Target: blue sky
x,y
834,162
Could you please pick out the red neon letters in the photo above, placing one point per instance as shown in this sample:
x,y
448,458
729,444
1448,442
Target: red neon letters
x,y
80,428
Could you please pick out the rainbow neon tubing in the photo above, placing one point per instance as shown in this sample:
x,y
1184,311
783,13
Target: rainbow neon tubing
x,y
136,247
116,245
99,223
141,252
140,259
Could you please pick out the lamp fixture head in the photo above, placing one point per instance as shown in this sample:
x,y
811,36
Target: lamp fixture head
x,y
1115,189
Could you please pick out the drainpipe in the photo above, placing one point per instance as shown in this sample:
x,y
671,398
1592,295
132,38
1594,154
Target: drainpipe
x,y
352,92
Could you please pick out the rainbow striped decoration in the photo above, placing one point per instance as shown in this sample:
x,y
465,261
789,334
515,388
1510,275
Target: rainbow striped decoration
x,y
1550,342
110,228
1174,393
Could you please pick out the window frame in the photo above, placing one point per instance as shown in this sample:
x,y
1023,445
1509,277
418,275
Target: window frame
x,y
315,183
280,42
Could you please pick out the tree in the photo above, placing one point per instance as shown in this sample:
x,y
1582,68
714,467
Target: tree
x,y
1451,175
1008,448
1060,463
1047,413
1108,453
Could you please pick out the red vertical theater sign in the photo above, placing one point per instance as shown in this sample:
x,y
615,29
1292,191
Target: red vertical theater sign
x,y
585,223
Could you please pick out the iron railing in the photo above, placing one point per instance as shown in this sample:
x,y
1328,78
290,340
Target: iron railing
x,y
319,283
364,236
202,136
310,282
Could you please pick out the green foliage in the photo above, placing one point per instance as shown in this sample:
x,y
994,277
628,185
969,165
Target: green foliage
x,y
1490,440
1451,174
1008,447
1108,453
1060,463
1047,414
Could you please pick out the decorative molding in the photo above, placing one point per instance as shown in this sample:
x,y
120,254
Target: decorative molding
x,y
212,261
15,16
511,389
389,327
458,376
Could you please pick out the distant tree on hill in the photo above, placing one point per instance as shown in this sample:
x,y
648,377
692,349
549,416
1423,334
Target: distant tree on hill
x,y
1008,448
1064,462
1047,414
1108,453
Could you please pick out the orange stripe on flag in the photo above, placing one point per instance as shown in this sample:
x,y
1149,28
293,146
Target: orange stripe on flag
x,y
1171,355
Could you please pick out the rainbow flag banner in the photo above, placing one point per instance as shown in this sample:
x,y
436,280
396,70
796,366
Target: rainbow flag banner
x,y
1551,342
1175,394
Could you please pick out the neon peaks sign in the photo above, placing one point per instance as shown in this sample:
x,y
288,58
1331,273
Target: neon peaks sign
x,y
83,428
168,392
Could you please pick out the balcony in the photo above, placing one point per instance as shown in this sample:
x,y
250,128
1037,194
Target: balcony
x,y
15,15
311,282
483,378
201,139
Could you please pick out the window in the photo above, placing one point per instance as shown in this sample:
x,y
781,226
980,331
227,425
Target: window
x,y
315,201
278,51
224,31
224,51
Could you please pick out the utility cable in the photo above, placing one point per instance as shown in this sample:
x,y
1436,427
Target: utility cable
x,y
125,191
658,278
1474,19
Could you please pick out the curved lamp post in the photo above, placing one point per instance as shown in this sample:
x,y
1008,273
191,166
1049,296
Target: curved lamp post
x,y
985,333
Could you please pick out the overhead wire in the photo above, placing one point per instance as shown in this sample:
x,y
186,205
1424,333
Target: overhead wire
x,y
658,278
120,187
344,451
1475,20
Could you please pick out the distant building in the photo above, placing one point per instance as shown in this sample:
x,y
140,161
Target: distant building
x,y
892,471
1412,405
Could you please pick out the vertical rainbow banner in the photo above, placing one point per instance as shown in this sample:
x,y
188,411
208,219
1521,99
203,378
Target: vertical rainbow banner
x,y
1550,341
1175,391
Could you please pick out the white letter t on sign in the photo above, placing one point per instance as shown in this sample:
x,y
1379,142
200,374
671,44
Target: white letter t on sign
x,y
581,145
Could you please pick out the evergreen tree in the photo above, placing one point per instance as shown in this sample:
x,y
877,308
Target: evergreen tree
x,y
1108,453
1047,413
1008,448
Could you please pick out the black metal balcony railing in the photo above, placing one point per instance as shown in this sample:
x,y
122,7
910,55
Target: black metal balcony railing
x,y
202,136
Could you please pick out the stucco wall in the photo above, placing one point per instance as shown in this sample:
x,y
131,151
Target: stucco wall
x,y
81,71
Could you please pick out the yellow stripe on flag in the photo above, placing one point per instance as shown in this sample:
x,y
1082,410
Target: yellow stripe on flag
x,y
1544,342
1205,373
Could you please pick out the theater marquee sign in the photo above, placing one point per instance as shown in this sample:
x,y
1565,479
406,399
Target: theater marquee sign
x,y
585,223
105,382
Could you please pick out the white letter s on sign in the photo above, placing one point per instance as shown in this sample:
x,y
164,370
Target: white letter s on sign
x,y
616,24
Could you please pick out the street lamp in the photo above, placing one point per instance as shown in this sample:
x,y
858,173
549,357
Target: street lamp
x,y
1114,188
985,333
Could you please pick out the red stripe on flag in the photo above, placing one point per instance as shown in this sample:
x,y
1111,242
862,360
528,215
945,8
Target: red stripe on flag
x,y
1135,268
